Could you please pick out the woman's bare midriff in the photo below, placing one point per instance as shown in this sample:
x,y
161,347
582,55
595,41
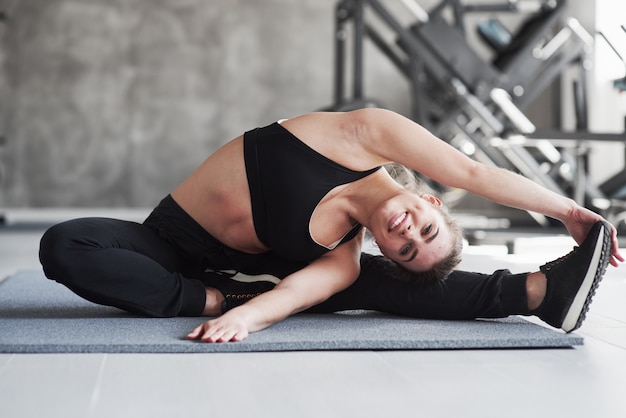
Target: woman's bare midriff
x,y
216,195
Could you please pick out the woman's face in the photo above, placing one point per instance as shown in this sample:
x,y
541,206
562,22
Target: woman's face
x,y
411,231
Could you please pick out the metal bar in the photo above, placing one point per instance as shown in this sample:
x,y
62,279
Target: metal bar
x,y
555,68
565,138
609,43
414,7
515,115
477,105
342,12
387,50
413,45
546,51
416,69
359,34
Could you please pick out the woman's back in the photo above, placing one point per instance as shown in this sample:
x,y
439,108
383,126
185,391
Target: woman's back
x,y
217,194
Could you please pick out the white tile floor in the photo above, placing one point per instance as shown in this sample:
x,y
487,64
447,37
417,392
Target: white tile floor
x,y
586,381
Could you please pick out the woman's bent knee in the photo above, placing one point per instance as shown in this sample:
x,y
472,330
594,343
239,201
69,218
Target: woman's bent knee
x,y
59,247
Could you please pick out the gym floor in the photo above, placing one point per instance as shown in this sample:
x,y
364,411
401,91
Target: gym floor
x,y
585,381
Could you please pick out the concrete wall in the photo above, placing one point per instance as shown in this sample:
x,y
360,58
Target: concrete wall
x,y
112,103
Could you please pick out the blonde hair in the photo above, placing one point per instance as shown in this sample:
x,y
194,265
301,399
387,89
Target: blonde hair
x,y
406,178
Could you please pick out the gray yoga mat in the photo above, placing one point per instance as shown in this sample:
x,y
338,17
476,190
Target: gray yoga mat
x,y
41,316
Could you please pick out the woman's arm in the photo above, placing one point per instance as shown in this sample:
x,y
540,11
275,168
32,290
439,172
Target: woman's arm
x,y
396,138
324,277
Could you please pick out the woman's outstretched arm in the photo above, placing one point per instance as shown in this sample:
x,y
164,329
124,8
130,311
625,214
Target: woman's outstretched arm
x,y
310,286
396,138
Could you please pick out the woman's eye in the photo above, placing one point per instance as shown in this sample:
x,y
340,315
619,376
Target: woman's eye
x,y
405,250
427,230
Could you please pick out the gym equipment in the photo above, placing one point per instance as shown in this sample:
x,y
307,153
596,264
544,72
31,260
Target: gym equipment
x,y
475,103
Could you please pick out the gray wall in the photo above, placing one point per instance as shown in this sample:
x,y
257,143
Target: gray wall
x,y
113,103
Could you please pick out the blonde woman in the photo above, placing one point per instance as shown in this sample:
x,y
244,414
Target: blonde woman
x,y
290,200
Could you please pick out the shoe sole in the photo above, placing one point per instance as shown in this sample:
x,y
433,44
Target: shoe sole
x,y
578,309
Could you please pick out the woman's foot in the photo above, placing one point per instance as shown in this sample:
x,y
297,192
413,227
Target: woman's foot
x,y
536,284
572,280
226,291
213,304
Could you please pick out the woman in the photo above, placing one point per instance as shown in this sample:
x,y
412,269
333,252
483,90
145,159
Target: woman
x,y
307,231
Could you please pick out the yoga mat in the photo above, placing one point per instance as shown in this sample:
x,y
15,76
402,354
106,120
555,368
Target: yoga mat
x,y
40,316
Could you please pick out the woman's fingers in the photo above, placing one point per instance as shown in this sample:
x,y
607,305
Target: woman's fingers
x,y
195,333
215,335
616,257
213,332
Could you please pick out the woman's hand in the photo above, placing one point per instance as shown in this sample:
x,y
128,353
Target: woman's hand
x,y
578,223
229,327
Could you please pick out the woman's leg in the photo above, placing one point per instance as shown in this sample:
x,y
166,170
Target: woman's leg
x,y
463,295
559,293
121,264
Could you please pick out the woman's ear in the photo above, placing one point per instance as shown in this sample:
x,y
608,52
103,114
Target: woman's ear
x,y
432,199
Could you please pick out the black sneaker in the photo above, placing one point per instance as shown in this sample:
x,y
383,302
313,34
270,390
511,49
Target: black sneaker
x,y
237,288
573,279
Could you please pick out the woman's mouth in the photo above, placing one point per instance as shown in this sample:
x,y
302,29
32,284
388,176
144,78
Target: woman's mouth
x,y
396,221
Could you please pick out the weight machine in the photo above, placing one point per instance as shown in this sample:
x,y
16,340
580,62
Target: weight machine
x,y
474,103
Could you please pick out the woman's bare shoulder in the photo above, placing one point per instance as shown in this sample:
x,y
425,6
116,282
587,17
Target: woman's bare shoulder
x,y
351,138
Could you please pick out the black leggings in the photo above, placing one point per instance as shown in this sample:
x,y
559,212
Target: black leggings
x,y
157,269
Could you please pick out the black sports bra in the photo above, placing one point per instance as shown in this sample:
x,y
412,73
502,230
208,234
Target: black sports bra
x,y
287,180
